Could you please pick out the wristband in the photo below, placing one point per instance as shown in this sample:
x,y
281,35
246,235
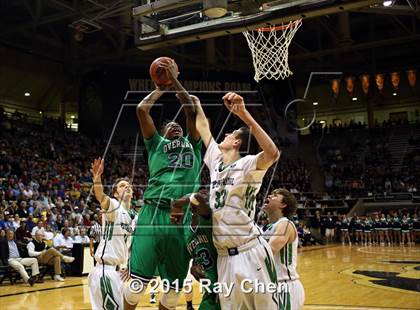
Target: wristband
x,y
194,200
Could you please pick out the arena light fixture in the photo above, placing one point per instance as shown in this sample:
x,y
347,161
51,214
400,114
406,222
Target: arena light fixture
x,y
388,3
354,99
394,94
40,112
215,8
72,117
315,103
27,94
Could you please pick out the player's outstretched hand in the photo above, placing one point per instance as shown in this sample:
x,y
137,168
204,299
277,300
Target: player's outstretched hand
x,y
200,204
170,68
177,212
198,272
234,103
97,168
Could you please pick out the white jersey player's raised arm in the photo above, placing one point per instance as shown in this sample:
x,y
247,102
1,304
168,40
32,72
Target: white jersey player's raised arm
x,y
235,182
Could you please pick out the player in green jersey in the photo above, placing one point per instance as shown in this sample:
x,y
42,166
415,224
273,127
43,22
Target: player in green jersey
x,y
199,240
174,170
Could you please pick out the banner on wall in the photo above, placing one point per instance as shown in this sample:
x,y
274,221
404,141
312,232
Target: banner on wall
x,y
380,82
395,80
350,85
191,85
365,80
103,92
335,87
412,78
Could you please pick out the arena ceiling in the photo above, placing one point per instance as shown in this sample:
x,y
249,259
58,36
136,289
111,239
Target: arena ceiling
x,y
369,39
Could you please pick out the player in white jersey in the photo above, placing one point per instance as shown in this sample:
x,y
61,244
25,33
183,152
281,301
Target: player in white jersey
x,y
282,237
105,283
244,258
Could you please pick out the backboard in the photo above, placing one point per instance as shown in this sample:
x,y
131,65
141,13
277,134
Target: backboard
x,y
163,23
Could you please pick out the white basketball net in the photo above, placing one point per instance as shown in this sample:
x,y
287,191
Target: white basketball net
x,y
270,50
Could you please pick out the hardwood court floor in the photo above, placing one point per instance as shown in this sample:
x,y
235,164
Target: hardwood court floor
x,y
334,278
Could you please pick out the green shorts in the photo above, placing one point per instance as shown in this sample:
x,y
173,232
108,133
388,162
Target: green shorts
x,y
157,244
210,301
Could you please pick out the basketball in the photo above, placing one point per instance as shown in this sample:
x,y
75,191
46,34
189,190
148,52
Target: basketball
x,y
158,74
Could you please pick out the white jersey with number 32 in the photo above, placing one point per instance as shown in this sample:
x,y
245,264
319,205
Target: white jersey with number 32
x,y
233,190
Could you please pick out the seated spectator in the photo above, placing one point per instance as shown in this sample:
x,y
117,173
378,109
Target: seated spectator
x,y
86,220
16,222
30,222
67,225
38,249
22,212
306,236
2,222
63,242
82,238
8,222
11,256
23,235
49,233
27,194
39,226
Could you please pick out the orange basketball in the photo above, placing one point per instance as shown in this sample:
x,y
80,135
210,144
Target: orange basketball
x,y
158,74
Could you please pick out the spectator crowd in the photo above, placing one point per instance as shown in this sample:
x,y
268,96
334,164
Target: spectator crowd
x,y
46,205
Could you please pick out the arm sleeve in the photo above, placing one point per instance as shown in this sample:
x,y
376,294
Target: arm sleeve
x,y
212,155
31,250
56,241
248,165
152,143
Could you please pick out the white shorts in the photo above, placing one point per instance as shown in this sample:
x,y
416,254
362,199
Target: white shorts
x,y
329,232
293,296
254,265
105,288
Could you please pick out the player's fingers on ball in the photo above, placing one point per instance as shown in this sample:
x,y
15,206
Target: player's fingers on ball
x,y
237,98
231,96
227,103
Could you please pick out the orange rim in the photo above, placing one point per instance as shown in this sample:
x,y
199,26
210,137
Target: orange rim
x,y
280,28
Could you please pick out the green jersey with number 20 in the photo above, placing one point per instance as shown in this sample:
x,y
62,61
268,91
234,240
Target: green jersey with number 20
x,y
174,167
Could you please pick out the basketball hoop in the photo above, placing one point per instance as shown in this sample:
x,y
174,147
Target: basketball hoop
x,y
270,49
